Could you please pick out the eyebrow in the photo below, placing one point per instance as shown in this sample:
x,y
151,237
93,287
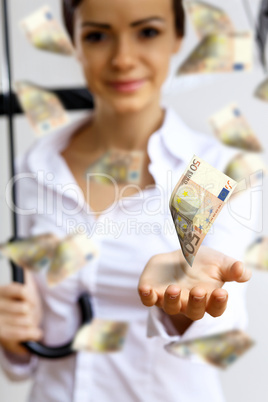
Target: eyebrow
x,y
133,24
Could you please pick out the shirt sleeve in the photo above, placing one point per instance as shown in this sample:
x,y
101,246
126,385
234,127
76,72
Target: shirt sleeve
x,y
15,367
233,231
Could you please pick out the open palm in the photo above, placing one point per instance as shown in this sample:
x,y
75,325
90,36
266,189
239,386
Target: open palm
x,y
170,283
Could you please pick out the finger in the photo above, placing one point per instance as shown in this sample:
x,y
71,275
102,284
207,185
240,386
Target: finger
x,y
9,333
172,302
25,321
14,307
31,334
235,271
148,296
196,306
14,291
217,302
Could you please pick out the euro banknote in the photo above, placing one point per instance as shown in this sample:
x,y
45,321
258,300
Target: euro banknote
x,y
195,203
71,254
43,109
60,258
35,253
246,165
122,166
44,32
256,255
262,91
233,129
101,336
218,53
208,19
220,350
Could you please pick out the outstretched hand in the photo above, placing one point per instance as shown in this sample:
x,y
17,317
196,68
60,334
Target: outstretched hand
x,y
171,284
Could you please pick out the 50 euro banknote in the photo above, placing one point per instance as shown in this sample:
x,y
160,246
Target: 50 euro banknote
x,y
256,255
208,19
122,166
232,128
101,336
44,32
220,53
60,258
34,252
71,254
261,91
220,350
195,203
42,108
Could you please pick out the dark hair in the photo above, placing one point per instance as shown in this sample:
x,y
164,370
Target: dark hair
x,y
70,5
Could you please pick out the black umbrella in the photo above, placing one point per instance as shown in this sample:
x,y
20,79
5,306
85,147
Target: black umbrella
x,y
262,31
260,28
78,98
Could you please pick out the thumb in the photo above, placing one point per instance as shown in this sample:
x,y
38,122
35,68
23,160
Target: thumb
x,y
235,271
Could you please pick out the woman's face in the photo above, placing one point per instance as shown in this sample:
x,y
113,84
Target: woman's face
x,y
124,47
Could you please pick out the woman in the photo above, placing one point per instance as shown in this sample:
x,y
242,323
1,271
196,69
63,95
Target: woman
x,y
124,47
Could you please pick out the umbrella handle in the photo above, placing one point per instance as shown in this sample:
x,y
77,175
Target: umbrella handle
x,y
47,352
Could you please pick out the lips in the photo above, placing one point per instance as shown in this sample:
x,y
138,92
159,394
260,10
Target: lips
x,y
127,86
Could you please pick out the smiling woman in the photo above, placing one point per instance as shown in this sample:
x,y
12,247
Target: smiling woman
x,y
124,49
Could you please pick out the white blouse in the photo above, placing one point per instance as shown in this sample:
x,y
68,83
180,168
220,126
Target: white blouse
x,y
128,235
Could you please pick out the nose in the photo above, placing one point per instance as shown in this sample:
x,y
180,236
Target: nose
x,y
123,57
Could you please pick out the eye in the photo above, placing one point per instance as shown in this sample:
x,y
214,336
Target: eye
x,y
95,37
149,32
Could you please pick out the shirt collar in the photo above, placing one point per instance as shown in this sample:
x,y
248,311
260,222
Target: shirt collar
x,y
170,149
45,160
180,140
48,149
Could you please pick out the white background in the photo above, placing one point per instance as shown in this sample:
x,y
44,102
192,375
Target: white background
x,y
195,99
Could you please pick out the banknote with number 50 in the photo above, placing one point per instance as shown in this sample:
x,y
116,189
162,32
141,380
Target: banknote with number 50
x,y
195,203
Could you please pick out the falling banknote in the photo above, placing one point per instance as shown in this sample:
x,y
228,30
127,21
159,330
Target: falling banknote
x,y
208,19
246,165
34,253
45,33
232,128
122,166
196,202
256,255
101,336
221,350
262,91
220,53
71,254
42,108
60,258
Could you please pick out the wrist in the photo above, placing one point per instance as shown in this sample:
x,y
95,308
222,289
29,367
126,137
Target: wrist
x,y
16,353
